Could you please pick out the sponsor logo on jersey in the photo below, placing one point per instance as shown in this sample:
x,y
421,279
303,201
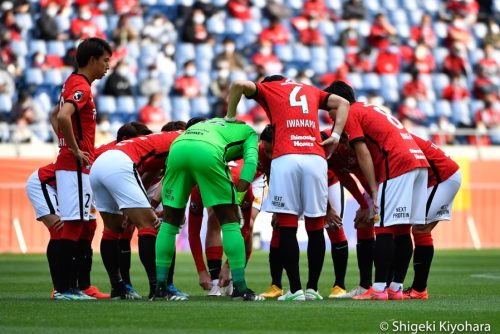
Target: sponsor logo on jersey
x,y
401,212
78,95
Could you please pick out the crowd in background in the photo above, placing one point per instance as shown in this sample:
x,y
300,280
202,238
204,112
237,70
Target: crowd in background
x,y
433,64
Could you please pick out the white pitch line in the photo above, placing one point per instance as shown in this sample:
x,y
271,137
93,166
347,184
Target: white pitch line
x,y
20,236
487,276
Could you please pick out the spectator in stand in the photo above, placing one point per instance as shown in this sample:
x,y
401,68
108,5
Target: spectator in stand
x,y
83,27
27,109
229,56
219,89
488,118
388,61
47,27
423,33
103,130
382,32
353,9
151,84
316,9
305,76
410,115
265,58
361,61
8,57
455,62
456,90
465,8
46,62
187,84
194,30
165,61
4,129
277,8
152,114
489,63
118,83
350,39
97,7
459,33
7,84
483,86
311,35
415,88
159,29
124,32
276,33
423,60
240,9
493,34
340,75
8,23
130,7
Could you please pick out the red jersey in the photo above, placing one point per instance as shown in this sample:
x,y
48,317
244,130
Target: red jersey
x,y
148,152
393,150
77,91
47,174
441,165
292,108
264,164
103,148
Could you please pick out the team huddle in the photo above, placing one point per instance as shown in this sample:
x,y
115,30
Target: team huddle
x,y
145,181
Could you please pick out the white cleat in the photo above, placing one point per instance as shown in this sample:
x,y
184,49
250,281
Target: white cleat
x,y
298,296
312,294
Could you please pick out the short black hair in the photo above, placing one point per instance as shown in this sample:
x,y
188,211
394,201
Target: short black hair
x,y
132,130
267,134
341,89
91,47
174,126
195,120
275,77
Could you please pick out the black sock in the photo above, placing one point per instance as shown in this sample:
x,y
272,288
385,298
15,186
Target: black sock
x,y
147,255
53,257
84,264
170,278
422,260
403,250
340,254
276,266
383,256
364,253
214,268
68,264
315,257
289,252
125,255
110,254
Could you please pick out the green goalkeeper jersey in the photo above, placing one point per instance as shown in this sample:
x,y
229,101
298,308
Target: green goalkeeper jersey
x,y
233,140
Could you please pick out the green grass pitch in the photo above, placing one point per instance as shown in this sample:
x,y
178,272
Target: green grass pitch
x,y
464,288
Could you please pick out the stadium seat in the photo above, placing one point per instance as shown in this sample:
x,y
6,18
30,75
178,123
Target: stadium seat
x,y
390,4
63,22
356,80
475,106
56,48
44,102
403,30
137,22
295,4
427,108
442,108
5,103
215,25
440,54
301,53
133,50
106,104
33,76
364,28
415,15
200,106
371,81
101,22
37,45
185,52
24,21
403,78
53,77
389,88
372,6
181,108
19,48
327,28
440,81
234,26
398,17
126,104
440,29
461,113
283,52
431,6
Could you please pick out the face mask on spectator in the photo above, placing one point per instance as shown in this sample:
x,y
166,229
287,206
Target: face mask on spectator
x,y
39,59
169,50
154,74
411,103
393,49
265,51
353,24
229,48
52,11
190,71
199,18
223,73
86,15
158,22
313,24
122,70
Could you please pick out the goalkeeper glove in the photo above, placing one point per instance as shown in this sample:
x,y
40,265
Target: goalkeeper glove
x,y
241,196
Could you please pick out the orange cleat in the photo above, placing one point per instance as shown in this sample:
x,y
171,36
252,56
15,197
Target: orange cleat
x,y
371,294
395,295
413,294
93,291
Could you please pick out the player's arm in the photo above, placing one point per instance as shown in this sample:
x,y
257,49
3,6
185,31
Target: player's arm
x,y
53,118
237,89
66,127
366,164
349,183
250,160
338,109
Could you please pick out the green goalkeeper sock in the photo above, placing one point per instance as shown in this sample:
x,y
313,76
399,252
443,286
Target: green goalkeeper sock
x,y
165,249
234,247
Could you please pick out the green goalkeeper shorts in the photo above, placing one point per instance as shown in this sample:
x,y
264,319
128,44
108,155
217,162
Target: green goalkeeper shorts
x,y
196,162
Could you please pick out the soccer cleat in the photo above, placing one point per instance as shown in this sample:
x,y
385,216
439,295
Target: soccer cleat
x,y
359,290
312,294
229,289
93,291
298,296
410,293
395,295
272,292
132,292
371,294
70,295
337,292
162,293
120,292
215,291
82,295
171,289
248,295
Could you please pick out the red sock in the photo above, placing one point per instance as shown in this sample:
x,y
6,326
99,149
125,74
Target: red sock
x,y
314,224
336,236
72,229
423,239
88,230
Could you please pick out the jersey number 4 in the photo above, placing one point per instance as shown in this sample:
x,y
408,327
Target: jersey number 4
x,y
301,102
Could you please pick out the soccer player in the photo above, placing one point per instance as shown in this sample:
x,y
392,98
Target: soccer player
x,y
442,186
199,156
298,181
396,171
76,122
115,178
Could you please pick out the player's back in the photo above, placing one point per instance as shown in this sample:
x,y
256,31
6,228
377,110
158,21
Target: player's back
x,y
292,108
